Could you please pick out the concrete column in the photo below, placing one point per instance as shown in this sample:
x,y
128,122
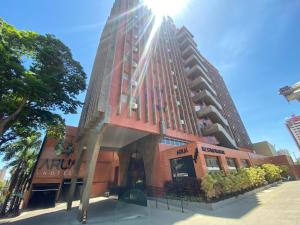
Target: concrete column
x,y
223,163
239,163
95,137
75,175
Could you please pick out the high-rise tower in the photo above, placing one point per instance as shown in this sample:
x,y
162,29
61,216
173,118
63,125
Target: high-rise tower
x,y
151,86
293,125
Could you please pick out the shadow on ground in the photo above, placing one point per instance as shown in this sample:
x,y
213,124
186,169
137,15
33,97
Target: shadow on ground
x,y
110,211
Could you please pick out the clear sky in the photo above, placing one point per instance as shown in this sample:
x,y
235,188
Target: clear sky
x,y
254,44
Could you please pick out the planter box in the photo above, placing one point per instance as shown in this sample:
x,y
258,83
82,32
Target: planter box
x,y
181,205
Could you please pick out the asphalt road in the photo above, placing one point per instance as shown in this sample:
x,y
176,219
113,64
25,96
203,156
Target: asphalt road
x,y
277,206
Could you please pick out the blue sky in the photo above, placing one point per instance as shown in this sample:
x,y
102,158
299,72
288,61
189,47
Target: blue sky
x,y
254,44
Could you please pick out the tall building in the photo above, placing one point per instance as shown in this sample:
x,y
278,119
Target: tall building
x,y
293,125
151,90
264,148
291,92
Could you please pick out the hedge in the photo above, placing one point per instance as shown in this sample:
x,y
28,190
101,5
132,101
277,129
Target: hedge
x,y
218,185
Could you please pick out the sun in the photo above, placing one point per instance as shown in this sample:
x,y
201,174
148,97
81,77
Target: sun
x,y
163,8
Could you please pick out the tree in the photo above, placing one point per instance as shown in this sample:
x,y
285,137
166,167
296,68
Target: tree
x,y
21,157
38,76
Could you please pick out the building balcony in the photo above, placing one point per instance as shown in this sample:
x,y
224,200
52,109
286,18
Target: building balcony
x,y
221,134
197,71
187,42
183,33
213,114
200,83
208,98
192,60
190,50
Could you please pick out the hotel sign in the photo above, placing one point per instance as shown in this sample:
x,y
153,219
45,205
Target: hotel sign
x,y
59,164
54,167
182,151
207,149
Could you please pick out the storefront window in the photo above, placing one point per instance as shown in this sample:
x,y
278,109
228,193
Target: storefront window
x,y
182,167
245,163
212,163
231,162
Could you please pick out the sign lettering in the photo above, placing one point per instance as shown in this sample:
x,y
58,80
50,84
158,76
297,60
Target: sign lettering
x,y
58,164
206,149
182,151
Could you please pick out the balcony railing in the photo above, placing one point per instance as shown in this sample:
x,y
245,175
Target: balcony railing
x,y
197,71
194,59
214,115
183,33
221,134
187,42
200,83
208,98
189,51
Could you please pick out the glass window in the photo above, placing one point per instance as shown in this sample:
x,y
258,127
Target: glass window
x,y
182,167
245,163
212,163
231,162
123,98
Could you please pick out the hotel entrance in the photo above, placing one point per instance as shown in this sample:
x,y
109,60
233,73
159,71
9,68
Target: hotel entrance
x,y
136,172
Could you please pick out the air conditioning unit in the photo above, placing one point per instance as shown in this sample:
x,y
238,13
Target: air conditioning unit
x,y
182,122
178,103
175,87
197,108
134,64
172,73
134,105
134,83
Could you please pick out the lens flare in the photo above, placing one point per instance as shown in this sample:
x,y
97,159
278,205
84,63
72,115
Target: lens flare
x,y
166,7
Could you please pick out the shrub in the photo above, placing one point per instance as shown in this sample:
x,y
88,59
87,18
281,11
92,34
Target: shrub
x,y
256,176
217,184
272,172
208,186
284,171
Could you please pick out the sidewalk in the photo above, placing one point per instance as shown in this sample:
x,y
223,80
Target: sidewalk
x,y
276,206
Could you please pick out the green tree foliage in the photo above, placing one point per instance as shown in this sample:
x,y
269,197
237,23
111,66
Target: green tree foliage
x,y
218,184
38,76
20,157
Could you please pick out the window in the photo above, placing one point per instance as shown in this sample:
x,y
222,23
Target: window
x,y
212,163
123,98
173,141
182,168
231,162
245,163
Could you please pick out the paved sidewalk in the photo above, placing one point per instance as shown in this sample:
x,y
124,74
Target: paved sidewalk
x,y
276,206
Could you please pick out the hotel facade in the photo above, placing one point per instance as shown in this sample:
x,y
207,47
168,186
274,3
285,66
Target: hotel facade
x,y
154,103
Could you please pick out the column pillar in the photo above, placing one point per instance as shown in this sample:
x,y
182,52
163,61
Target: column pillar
x,y
75,175
223,163
95,137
